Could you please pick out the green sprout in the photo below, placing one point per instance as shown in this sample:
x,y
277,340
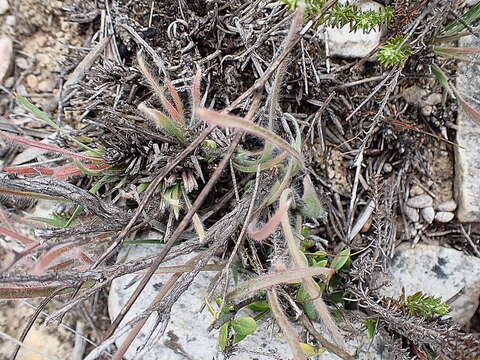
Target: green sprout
x,y
394,52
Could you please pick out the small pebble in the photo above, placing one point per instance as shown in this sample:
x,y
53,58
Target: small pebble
x,y
387,168
11,20
46,86
9,82
444,216
22,63
420,201
411,232
428,214
412,214
416,190
4,6
32,81
449,205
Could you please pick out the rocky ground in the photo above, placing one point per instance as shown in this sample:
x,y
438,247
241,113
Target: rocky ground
x,y
401,191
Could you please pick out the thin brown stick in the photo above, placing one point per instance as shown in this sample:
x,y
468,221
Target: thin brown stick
x,y
34,317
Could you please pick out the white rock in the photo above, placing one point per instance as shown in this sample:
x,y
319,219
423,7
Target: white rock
x,y
189,327
4,6
444,216
436,271
428,214
420,201
412,214
46,86
467,166
344,43
449,205
11,20
6,57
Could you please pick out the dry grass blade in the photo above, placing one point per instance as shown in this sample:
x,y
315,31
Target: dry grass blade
x,y
224,120
281,277
287,329
308,282
44,146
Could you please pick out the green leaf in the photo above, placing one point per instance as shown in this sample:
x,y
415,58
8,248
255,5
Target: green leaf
x,y
313,206
371,327
243,326
259,306
310,350
456,26
340,260
44,117
164,122
223,336
308,306
441,77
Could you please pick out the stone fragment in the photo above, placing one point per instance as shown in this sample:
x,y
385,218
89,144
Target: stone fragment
x,y
420,201
436,271
6,57
416,190
444,216
11,20
32,81
4,7
187,329
22,63
467,164
449,205
428,214
412,214
345,43
46,86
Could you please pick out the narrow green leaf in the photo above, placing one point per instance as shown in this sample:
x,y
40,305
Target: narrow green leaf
x,y
217,118
340,260
259,306
223,336
313,206
304,299
371,327
456,26
441,77
163,122
44,117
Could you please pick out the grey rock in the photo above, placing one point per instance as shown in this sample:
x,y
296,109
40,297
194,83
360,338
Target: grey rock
x,y
190,326
428,214
420,201
345,43
436,271
4,7
444,216
412,214
467,160
449,205
6,57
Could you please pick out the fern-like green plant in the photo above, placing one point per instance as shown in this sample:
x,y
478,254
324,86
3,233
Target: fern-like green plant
x,y
420,304
395,52
340,15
